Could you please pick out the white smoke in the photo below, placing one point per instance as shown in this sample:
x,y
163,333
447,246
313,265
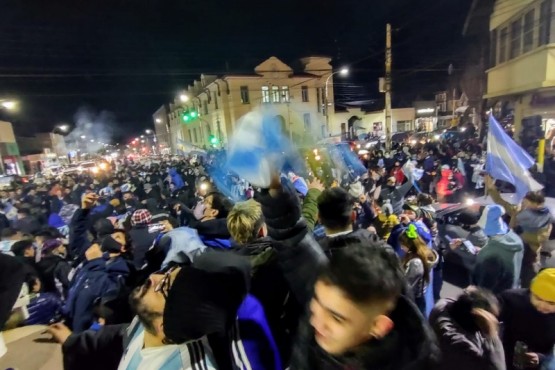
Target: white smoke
x,y
91,130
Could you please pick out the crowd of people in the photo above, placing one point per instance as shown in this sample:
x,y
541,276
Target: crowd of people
x,y
154,266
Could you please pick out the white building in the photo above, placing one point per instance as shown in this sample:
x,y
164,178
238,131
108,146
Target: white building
x,y
298,100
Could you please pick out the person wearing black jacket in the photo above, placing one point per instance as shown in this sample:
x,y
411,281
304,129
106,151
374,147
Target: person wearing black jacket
x,y
468,331
268,285
211,224
358,318
53,268
141,237
528,316
24,252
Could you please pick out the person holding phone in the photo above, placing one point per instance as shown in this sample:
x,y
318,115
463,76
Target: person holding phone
x,y
528,317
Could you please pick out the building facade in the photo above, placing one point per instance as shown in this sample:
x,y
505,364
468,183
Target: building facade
x,y
217,103
521,80
373,123
162,130
10,159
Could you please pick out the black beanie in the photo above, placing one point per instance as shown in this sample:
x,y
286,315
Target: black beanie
x,y
103,227
204,297
12,276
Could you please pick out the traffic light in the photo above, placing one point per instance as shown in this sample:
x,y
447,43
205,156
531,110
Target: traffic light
x,y
213,140
189,115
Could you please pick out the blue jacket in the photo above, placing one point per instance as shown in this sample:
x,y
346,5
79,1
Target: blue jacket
x,y
176,179
255,337
97,278
78,241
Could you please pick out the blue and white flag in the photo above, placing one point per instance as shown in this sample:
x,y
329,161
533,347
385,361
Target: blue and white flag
x,y
508,162
259,148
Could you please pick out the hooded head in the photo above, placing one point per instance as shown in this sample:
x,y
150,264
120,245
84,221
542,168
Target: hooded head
x,y
492,221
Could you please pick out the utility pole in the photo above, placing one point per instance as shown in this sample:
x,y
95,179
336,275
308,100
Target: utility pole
x,y
388,88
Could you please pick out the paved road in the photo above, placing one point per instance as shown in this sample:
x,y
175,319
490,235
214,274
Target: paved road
x,y
450,291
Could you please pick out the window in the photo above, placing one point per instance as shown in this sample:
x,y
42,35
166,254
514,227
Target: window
x,y
265,94
245,94
493,49
516,36
306,119
318,100
285,94
205,107
528,34
404,126
215,100
275,94
304,93
503,38
545,22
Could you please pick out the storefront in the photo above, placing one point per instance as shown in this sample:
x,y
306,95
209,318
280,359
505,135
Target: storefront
x,y
426,118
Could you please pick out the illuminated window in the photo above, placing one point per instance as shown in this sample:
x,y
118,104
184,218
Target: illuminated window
x,y
265,94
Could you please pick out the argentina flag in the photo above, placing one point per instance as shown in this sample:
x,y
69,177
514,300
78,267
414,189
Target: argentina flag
x,y
508,162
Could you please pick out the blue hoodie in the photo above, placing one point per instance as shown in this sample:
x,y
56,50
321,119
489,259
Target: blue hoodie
x,y
177,180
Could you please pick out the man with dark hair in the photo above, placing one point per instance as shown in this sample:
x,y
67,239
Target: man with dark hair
x,y
26,222
24,252
358,317
468,331
335,210
336,214
211,223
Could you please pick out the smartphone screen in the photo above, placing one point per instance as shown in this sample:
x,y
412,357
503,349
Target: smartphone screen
x,y
469,246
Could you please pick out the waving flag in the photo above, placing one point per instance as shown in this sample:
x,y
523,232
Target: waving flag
x,y
509,162
259,148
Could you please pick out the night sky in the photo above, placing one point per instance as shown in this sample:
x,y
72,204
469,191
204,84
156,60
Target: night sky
x,y
129,57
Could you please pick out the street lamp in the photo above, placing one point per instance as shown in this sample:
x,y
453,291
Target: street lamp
x,y
343,72
64,128
184,98
83,137
148,131
8,104
158,120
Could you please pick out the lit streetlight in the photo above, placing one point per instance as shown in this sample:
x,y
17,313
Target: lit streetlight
x,y
8,104
158,120
343,72
184,98
92,140
83,137
148,131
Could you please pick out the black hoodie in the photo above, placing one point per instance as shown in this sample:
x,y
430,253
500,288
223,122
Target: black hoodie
x,y
411,345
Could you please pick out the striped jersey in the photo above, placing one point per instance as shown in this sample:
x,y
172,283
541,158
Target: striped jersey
x,y
192,355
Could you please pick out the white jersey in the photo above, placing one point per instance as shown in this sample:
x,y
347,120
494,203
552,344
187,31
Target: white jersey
x,y
195,354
